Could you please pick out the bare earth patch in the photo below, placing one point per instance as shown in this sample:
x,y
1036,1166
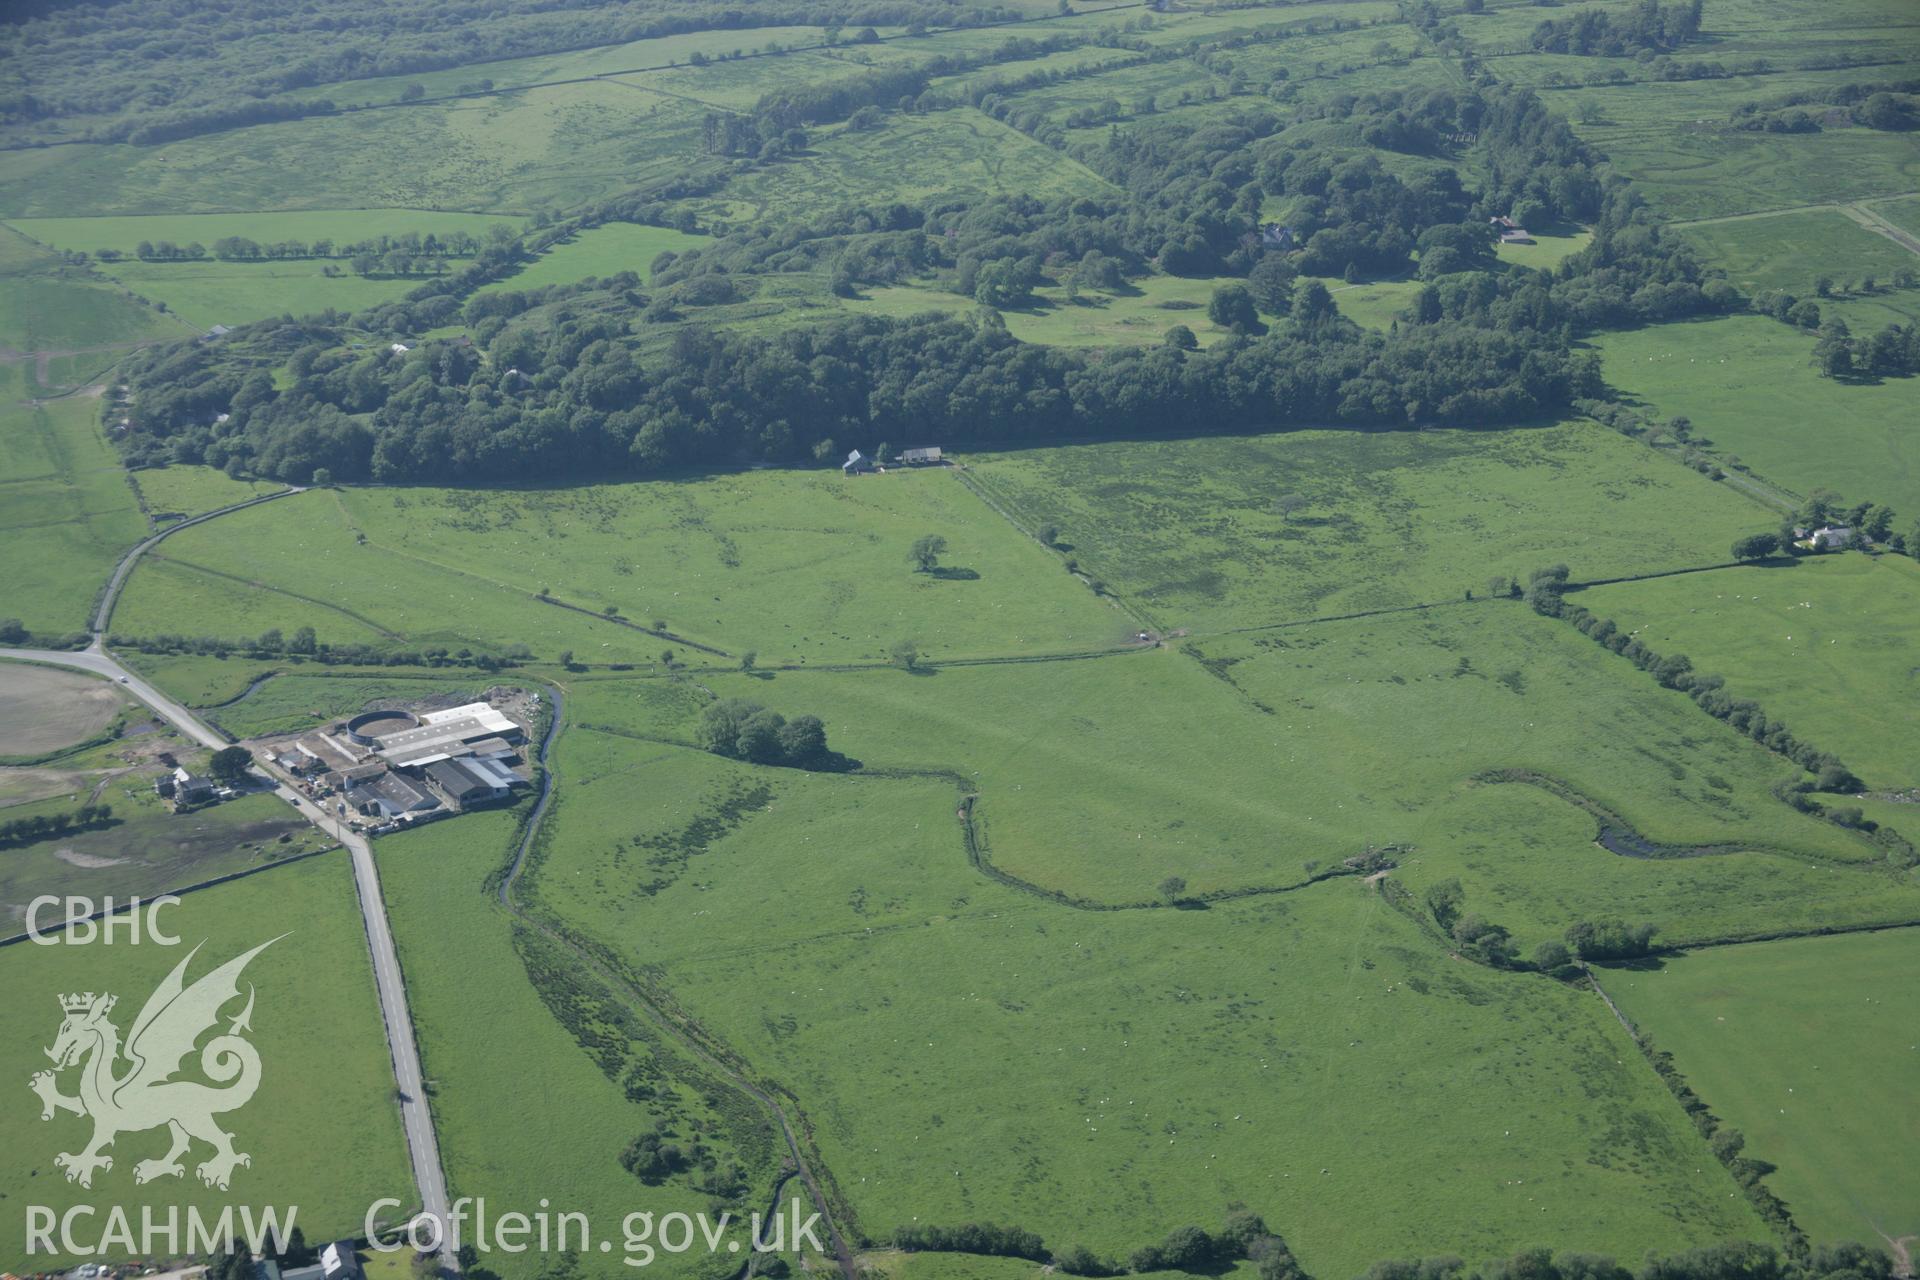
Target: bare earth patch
x,y
42,709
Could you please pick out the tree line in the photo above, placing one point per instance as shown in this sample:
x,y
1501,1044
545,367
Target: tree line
x,y
1545,593
44,826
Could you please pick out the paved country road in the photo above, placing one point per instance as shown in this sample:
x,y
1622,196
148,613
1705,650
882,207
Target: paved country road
x,y
415,1116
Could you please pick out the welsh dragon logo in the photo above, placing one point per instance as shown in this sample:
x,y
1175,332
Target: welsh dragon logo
x,y
145,1095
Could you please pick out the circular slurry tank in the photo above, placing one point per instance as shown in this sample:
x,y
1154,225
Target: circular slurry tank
x,y
369,727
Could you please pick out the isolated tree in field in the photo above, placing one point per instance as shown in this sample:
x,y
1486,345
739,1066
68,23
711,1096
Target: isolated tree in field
x,y
229,765
1444,900
1232,308
566,659
905,655
747,660
1181,338
1757,546
1048,534
1289,503
926,553
1173,888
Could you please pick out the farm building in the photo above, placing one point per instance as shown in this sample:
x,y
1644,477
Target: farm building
x,y
1275,236
339,1262
190,788
921,457
441,735
388,796
471,782
1510,231
856,463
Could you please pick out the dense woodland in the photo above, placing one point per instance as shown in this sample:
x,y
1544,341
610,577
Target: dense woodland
x,y
551,384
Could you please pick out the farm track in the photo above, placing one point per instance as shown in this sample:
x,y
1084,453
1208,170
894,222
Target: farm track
x,y
691,1042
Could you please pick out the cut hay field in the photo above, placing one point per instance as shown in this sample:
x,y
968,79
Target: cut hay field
x,y
1749,385
1827,644
314,988
43,709
1187,529
1807,1047
66,512
1296,1052
555,1132
799,566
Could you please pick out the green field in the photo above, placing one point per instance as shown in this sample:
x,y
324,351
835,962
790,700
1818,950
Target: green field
x,y
1828,644
557,1136
602,251
855,920
799,566
1139,316
66,512
1789,251
204,294
327,1141
292,702
343,226
1187,529
186,490
1749,385
1807,1048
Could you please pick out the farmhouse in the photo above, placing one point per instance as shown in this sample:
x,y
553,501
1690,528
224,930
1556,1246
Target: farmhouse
x,y
1833,537
1510,231
190,788
921,457
1275,236
856,463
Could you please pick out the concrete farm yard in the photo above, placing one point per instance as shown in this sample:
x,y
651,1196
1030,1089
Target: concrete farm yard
x,y
1380,731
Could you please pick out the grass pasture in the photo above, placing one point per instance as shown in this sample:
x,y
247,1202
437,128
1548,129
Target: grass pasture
x,y
602,251
799,566
204,294
947,152
314,986
1139,316
1790,251
1373,535
66,512
1826,644
187,490
1320,1015
1093,783
343,226
558,1134
1749,385
1807,1047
